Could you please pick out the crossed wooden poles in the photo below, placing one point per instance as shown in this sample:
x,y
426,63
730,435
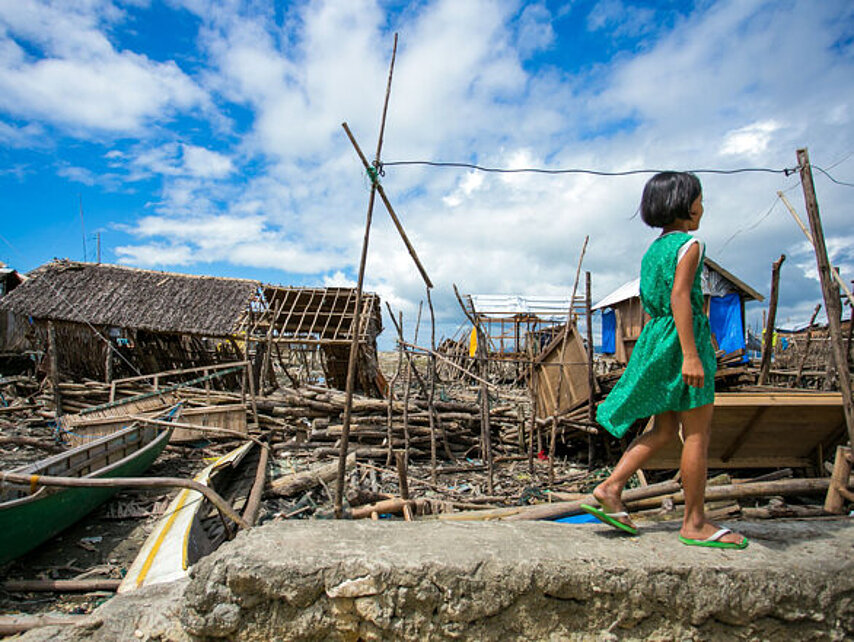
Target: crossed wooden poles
x,y
376,188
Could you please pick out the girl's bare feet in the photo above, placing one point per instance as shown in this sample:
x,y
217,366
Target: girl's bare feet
x,y
706,530
610,499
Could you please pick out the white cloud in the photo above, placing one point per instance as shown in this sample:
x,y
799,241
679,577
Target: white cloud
x,y
752,140
535,29
82,83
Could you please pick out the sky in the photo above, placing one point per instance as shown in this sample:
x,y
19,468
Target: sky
x,y
205,137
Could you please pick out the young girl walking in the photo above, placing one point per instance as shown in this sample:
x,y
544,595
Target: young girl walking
x,y
671,373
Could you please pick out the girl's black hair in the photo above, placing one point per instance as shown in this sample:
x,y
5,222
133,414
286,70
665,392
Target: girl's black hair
x,y
668,196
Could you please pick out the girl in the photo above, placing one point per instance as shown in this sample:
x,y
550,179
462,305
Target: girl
x,y
672,368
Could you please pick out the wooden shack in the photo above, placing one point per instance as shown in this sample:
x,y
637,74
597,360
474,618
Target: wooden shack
x,y
623,316
561,374
101,321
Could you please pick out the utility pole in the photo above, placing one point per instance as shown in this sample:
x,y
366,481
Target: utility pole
x,y
832,306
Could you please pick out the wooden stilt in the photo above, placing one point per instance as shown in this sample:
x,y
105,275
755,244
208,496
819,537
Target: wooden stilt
x,y
768,343
837,492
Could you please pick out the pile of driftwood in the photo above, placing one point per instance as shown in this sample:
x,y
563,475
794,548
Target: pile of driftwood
x,y
310,418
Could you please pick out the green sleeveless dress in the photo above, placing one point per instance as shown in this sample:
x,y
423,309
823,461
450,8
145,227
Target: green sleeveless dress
x,y
652,382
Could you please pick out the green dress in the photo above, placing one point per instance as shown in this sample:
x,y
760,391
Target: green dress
x,y
652,382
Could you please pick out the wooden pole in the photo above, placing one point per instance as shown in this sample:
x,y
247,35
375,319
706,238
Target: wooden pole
x,y
253,503
831,293
400,460
431,407
60,586
768,343
591,374
356,327
806,346
838,492
561,374
485,431
390,408
53,351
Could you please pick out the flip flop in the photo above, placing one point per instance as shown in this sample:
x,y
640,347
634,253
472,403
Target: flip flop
x,y
714,541
610,518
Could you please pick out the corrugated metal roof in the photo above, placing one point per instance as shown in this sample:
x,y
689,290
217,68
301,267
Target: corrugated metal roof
x,y
509,305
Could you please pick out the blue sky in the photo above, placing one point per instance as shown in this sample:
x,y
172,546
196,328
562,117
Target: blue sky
x,y
205,137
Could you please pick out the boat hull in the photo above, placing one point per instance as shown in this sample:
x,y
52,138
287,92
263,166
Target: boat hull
x,y
27,523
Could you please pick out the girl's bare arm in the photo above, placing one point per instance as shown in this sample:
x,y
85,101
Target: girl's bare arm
x,y
680,304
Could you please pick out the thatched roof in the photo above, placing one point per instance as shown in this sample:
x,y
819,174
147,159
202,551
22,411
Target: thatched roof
x,y
125,297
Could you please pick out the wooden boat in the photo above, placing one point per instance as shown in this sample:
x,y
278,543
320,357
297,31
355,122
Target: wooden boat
x,y
29,518
190,529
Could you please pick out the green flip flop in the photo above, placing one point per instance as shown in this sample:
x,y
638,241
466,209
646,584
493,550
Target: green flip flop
x,y
714,541
610,518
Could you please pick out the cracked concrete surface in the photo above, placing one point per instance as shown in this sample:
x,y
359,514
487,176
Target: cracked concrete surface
x,y
331,580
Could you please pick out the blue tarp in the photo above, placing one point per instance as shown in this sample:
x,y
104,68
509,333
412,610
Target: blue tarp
x,y
609,331
725,321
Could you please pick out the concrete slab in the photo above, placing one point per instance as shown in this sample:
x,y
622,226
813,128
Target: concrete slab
x,y
498,581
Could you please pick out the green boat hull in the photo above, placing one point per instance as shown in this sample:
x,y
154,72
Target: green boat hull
x,y
26,525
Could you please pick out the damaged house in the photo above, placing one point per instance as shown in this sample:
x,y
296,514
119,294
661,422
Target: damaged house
x,y
107,321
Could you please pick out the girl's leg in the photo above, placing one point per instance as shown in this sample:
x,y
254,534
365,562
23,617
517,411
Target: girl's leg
x,y
609,492
696,430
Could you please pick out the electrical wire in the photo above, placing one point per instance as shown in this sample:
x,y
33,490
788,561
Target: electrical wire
x,y
786,171
537,170
826,173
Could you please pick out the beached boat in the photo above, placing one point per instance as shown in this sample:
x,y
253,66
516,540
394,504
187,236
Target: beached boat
x,y
31,516
189,528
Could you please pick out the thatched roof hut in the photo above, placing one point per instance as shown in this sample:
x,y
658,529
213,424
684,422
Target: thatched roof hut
x,y
126,297
153,321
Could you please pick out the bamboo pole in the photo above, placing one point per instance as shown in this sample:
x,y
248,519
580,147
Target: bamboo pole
x,y
34,481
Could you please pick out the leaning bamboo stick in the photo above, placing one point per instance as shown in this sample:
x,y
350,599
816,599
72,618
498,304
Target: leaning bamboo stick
x,y
60,586
34,481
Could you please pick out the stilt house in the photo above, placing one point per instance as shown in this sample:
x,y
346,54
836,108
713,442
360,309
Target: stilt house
x,y
623,316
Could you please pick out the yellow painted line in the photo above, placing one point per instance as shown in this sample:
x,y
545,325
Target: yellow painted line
x,y
149,560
